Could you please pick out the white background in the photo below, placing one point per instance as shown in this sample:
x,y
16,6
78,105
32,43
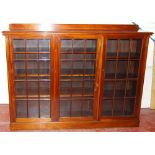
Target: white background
x,y
77,144
70,11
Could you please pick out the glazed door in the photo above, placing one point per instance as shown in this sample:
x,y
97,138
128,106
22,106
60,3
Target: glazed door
x,y
77,77
32,79
121,76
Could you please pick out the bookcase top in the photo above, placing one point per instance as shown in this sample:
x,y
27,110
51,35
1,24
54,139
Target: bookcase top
x,y
73,27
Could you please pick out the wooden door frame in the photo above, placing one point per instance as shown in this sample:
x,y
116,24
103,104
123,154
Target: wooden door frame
x,y
10,75
99,60
10,69
140,81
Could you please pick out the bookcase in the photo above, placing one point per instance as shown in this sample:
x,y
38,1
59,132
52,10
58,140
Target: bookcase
x,y
75,75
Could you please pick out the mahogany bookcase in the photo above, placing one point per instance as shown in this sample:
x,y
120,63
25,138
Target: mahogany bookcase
x,y
75,75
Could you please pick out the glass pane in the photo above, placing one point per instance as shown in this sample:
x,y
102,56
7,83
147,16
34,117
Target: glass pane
x,y
129,106
44,78
89,67
76,108
89,56
65,56
65,108
44,108
44,67
19,67
44,45
33,108
77,67
120,88
118,107
136,48
32,45
108,89
124,48
122,69
78,57
32,88
44,56
89,86
65,87
44,88
131,88
133,69
32,67
78,45
19,56
20,88
87,108
110,69
91,45
18,45
32,56
76,87
21,108
66,45
112,46
66,67
107,108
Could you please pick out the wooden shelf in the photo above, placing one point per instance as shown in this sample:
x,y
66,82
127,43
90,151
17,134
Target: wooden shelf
x,y
33,99
122,59
37,96
31,52
33,80
63,60
31,75
78,75
76,80
118,98
120,79
31,60
120,93
75,95
62,52
30,49
120,76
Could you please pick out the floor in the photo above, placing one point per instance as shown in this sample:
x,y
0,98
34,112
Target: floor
x,y
147,123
